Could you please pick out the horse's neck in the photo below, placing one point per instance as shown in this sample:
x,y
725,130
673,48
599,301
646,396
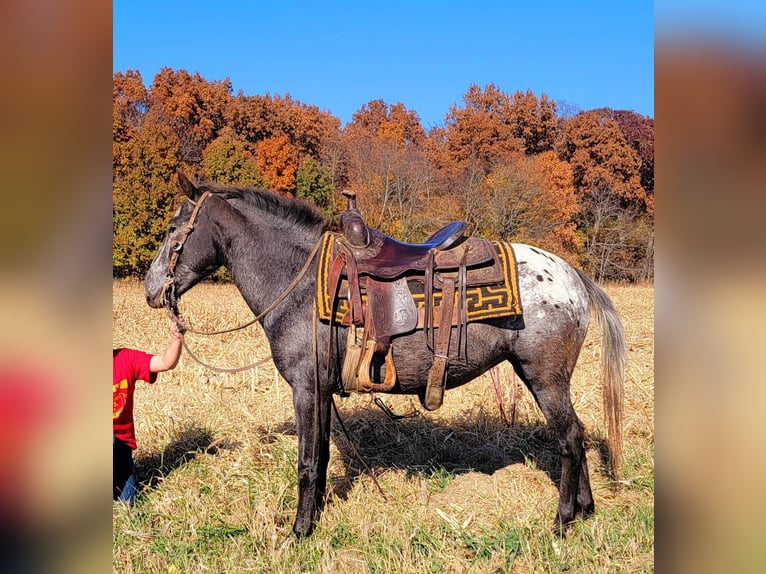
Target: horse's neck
x,y
265,263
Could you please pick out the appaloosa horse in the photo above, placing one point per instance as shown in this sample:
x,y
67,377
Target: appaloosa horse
x,y
268,244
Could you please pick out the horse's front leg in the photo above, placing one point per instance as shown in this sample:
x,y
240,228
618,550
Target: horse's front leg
x,y
313,426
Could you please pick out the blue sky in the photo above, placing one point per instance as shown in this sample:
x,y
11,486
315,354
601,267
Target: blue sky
x,y
339,55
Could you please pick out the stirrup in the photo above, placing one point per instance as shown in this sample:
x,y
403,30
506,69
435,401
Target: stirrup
x,y
365,384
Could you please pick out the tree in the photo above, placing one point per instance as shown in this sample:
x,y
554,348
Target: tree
x,y
480,134
192,107
388,167
619,240
615,216
130,102
313,183
277,162
533,121
227,162
143,197
531,199
389,122
638,131
601,157
256,118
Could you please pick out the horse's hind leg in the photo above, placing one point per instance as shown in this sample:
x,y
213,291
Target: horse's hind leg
x,y
551,391
585,506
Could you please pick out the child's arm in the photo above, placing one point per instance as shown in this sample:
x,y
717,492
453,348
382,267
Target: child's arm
x,y
169,359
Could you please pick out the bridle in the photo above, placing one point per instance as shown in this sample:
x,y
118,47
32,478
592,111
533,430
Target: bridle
x,y
168,289
171,304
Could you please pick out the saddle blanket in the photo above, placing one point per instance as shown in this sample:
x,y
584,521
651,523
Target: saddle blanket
x,y
483,302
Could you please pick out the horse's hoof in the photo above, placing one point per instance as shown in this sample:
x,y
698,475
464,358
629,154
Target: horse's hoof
x,y
560,528
586,511
301,532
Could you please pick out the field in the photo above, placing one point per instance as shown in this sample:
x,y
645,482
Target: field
x,y
462,490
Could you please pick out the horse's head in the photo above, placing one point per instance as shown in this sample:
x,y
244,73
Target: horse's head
x,y
188,253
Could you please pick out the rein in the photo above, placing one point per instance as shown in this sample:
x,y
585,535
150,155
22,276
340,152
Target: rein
x,y
168,293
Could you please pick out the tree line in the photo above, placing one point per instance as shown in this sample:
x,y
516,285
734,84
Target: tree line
x,y
514,166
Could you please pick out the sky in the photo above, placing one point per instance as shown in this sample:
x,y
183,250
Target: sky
x,y
340,55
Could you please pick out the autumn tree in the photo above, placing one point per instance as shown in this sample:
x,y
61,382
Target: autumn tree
x,y
480,133
638,131
334,160
143,197
613,203
388,168
533,121
618,239
256,118
475,138
130,101
277,162
531,199
227,162
192,107
600,157
393,123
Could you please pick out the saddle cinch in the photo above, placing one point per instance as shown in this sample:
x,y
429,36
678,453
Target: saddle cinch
x,y
378,275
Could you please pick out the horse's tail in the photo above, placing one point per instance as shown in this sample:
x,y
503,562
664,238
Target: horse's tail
x,y
613,359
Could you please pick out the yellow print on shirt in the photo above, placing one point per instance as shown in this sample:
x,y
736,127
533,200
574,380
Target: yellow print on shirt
x,y
119,398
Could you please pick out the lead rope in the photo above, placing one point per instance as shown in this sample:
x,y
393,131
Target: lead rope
x,y
221,369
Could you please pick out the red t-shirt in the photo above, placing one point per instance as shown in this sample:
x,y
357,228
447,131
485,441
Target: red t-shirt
x,y
128,366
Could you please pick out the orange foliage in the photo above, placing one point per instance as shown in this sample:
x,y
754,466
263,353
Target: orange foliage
x,y
531,199
191,106
277,163
533,121
601,157
481,132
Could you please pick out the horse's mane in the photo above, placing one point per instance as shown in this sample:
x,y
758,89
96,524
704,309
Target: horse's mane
x,y
292,210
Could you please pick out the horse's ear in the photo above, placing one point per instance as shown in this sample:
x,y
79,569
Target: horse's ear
x,y
187,187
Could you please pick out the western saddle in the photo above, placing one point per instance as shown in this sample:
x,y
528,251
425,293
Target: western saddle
x,y
378,275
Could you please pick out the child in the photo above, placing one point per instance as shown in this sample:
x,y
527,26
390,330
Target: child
x,y
129,366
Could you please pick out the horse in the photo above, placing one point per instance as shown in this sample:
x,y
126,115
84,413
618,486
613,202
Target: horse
x,y
268,243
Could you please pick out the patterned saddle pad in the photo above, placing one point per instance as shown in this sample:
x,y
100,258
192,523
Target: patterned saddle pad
x,y
483,302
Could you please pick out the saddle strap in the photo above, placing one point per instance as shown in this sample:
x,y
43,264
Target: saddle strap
x,y
428,319
436,375
344,260
462,307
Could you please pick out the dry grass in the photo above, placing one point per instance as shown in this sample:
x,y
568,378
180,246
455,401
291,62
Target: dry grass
x,y
465,492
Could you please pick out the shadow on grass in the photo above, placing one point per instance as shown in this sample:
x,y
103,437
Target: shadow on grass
x,y
185,446
426,447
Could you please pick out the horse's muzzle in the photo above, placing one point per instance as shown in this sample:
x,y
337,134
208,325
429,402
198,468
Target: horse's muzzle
x,y
155,301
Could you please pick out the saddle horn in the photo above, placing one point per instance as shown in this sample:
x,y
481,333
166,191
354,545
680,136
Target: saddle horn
x,y
351,197
352,224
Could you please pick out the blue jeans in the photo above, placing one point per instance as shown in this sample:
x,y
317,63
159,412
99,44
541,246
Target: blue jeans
x,y
124,472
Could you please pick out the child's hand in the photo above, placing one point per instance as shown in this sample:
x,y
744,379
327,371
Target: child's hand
x,y
177,328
